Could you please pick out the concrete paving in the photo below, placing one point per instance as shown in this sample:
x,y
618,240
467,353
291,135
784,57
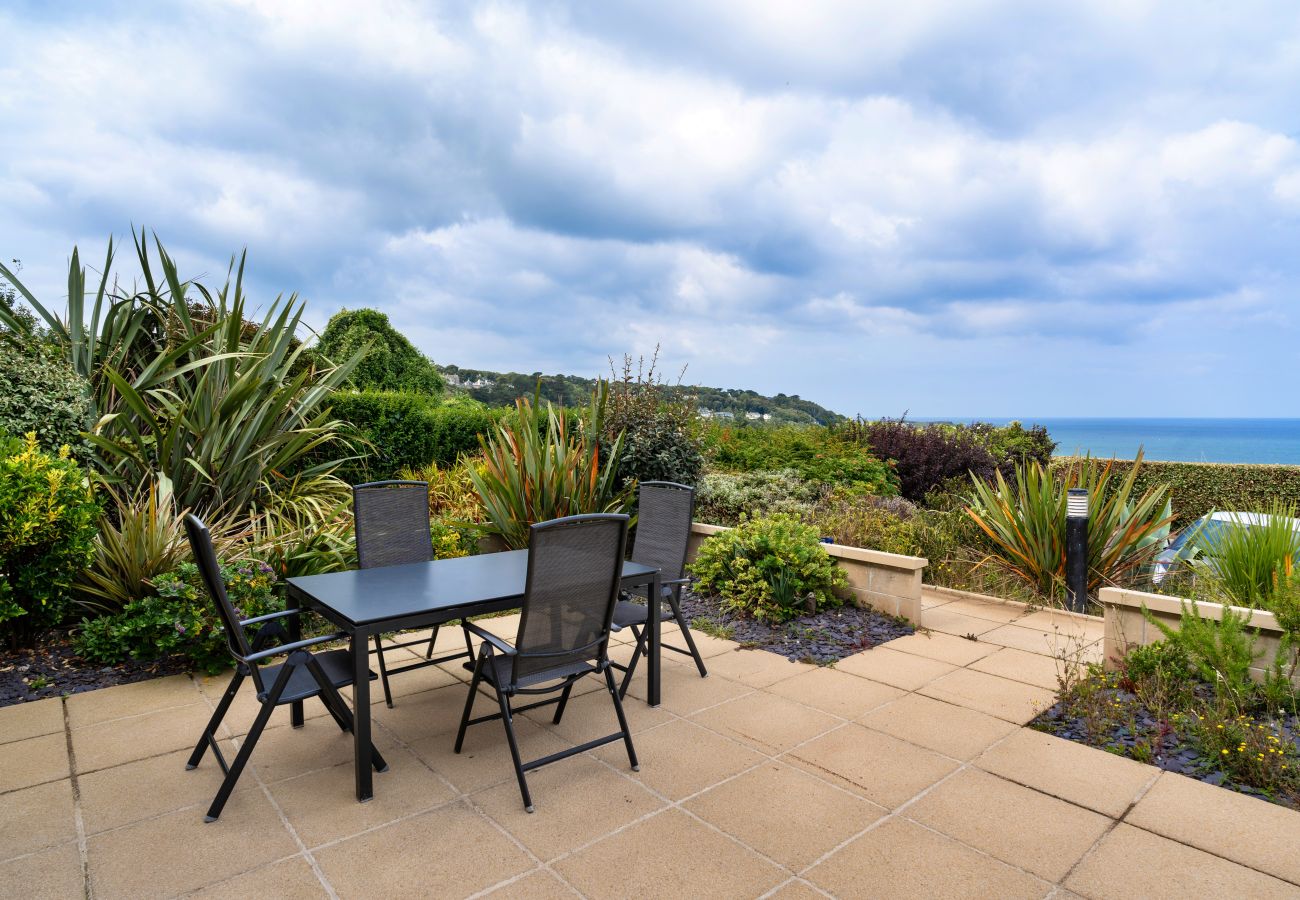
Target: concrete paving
x,y
903,771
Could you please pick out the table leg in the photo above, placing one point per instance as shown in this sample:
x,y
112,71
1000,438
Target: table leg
x,y
655,603
361,715
296,718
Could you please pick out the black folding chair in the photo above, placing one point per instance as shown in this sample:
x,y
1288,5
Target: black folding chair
x,y
300,677
663,528
574,567
391,519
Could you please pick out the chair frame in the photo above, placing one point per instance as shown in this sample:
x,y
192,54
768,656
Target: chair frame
x,y
674,598
493,645
385,672
248,658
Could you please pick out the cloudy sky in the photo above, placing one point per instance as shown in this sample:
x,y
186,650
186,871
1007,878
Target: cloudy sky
x,y
981,208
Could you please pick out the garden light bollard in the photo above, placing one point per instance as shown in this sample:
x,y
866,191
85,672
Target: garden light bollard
x,y
1076,549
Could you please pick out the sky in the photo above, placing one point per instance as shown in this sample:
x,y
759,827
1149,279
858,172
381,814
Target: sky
x,y
989,208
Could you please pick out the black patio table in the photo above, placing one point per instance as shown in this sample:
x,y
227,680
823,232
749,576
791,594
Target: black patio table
x,y
366,602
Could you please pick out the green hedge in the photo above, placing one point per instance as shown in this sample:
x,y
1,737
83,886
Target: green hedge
x,y
1200,488
407,430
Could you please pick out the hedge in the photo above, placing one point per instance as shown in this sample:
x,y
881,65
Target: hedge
x,y
407,430
1200,488
43,394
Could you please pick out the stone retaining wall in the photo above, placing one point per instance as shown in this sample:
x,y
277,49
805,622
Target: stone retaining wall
x,y
1126,626
885,581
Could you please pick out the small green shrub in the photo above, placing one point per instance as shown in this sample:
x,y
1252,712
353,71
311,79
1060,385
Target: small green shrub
x,y
47,524
42,394
406,430
888,524
816,453
659,440
724,498
773,568
180,618
1222,653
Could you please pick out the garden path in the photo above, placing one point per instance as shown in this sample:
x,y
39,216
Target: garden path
x,y
902,771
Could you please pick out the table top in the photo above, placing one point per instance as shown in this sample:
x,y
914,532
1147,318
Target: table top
x,y
364,596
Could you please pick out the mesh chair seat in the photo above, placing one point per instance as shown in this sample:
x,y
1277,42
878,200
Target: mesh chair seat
x,y
336,664
627,614
498,671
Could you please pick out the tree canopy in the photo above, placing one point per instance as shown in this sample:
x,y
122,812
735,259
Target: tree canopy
x,y
392,363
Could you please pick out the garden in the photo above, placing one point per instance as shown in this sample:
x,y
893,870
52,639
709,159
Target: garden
x,y
133,405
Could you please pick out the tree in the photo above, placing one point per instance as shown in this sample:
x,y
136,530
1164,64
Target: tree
x,y
391,364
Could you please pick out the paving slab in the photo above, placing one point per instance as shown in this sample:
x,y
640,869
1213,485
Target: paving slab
x,y
1245,829
33,761
576,801
49,875
104,704
950,620
669,855
685,692
33,719
883,769
34,818
484,759
179,852
1020,665
1031,640
906,671
1019,826
539,884
451,845
288,879
904,860
835,692
681,758
1011,700
121,740
592,715
947,648
426,714
143,789
756,668
1080,774
815,817
951,730
1130,862
1001,613
770,724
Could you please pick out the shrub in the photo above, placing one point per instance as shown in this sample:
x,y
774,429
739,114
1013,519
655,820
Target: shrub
x,y
405,430
1196,489
659,443
927,456
452,495
1025,524
180,618
1246,564
816,453
773,568
47,523
888,524
42,394
389,362
724,498
546,465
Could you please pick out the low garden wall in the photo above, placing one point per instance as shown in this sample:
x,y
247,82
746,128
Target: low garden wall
x,y
1126,626
887,582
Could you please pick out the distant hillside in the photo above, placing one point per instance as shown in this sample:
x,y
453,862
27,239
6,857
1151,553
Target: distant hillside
x,y
501,388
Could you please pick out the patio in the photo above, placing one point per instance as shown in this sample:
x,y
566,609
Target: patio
x,y
902,771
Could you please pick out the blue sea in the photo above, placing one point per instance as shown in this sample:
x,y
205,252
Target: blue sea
x,y
1180,440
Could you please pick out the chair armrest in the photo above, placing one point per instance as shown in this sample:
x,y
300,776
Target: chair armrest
x,y
296,645
269,616
668,582
491,638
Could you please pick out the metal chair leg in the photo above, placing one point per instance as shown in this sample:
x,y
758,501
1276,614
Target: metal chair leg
x,y
250,740
469,701
564,701
622,721
508,720
214,723
328,690
383,671
686,633
637,652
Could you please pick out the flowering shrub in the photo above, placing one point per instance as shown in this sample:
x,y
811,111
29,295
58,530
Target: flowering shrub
x,y
773,569
180,618
47,524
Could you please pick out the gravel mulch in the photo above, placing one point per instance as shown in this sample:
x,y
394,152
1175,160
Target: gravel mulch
x,y
53,669
821,638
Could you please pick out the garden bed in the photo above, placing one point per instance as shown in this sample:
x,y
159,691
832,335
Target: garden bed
x,y
821,638
53,669
1252,754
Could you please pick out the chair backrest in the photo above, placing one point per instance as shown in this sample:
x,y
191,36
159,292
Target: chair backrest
x,y
663,526
574,568
205,557
391,519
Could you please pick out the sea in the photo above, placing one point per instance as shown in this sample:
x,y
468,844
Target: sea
x,y
1178,440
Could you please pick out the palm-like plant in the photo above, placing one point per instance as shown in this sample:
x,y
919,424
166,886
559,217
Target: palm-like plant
x,y
546,465
1025,523
1246,562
